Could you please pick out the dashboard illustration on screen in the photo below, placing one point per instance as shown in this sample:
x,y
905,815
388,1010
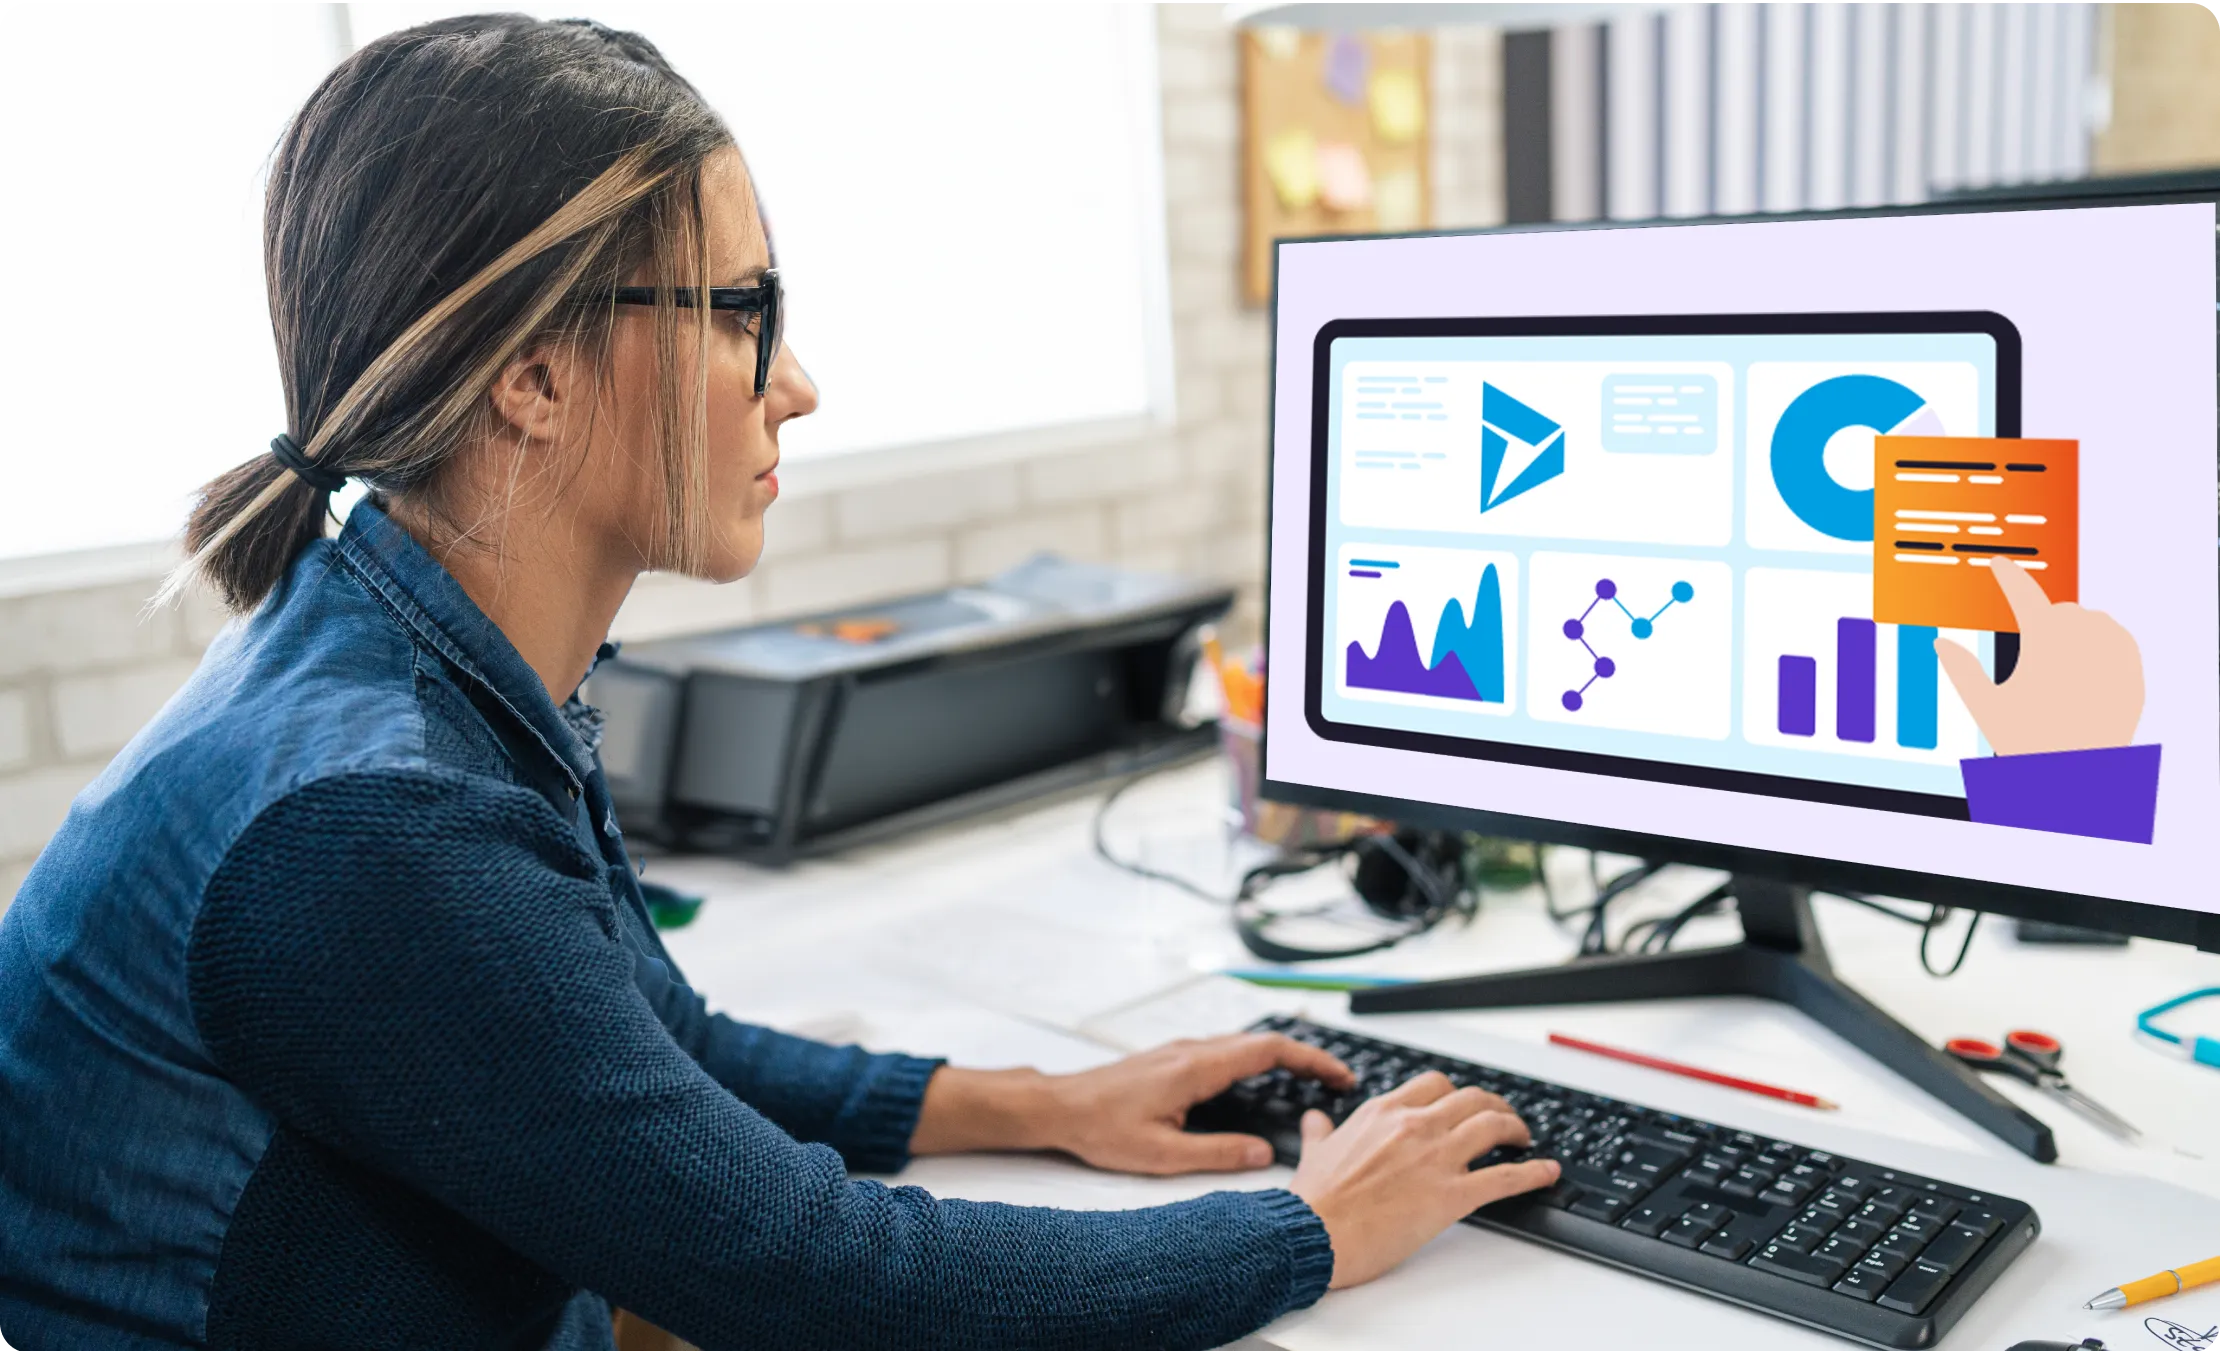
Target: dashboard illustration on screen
x,y
1642,546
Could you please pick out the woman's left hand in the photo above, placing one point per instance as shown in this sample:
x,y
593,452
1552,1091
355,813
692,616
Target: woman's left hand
x,y
1129,1117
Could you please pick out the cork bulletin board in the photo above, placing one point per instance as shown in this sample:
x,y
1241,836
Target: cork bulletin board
x,y
1336,138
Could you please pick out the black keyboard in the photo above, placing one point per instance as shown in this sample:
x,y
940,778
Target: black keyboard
x,y
1849,1247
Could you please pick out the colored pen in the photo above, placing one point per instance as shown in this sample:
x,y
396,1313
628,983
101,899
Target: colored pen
x,y
2158,1287
1708,1076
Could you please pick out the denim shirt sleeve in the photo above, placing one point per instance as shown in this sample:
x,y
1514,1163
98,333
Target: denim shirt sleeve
x,y
424,973
861,1104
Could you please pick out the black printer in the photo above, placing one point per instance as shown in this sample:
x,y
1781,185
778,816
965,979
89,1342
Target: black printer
x,y
779,740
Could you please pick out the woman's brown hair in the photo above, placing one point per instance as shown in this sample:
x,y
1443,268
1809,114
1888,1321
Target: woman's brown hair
x,y
451,196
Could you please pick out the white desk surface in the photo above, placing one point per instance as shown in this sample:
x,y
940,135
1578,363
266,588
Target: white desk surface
x,y
1007,942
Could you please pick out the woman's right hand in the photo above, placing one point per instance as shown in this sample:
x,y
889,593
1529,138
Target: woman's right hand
x,y
1399,1170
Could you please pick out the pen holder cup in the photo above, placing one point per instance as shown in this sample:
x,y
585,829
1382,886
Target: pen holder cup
x,y
1279,824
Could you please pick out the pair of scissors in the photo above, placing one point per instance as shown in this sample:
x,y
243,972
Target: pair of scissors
x,y
2032,1058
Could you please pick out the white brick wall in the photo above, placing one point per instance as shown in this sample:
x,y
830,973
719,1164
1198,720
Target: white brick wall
x,y
80,669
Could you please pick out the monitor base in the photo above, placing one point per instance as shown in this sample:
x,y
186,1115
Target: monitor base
x,y
1780,957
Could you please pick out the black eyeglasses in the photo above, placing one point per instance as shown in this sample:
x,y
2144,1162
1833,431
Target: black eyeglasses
x,y
767,300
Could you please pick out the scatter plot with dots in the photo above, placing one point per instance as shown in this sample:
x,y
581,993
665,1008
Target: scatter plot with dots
x,y
1641,626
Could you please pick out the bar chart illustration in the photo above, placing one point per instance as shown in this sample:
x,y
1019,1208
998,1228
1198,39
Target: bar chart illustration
x,y
1821,675
1420,625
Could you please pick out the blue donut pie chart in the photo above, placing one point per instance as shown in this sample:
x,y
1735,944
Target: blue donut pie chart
x,y
1800,449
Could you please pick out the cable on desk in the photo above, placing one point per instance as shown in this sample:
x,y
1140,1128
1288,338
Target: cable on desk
x,y
1595,938
1102,847
1935,921
1663,929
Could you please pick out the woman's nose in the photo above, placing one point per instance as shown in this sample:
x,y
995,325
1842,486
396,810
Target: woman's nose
x,y
793,394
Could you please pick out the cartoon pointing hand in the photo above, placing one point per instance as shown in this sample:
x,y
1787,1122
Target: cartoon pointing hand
x,y
2078,684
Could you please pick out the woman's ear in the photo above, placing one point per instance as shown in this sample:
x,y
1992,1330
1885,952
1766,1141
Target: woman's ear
x,y
532,392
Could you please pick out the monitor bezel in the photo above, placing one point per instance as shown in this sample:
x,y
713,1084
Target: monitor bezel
x,y
2144,919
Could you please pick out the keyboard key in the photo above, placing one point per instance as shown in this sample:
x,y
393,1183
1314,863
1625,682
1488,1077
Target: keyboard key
x,y
1852,1184
1835,1203
1704,1175
1844,1250
1886,1264
1864,1232
1799,1238
1773,1163
1922,1225
1600,1207
1981,1220
1815,1218
1728,1246
1873,1212
1632,1186
1797,1266
1901,1244
1820,1158
1953,1248
1688,1232
1746,1184
1938,1207
1913,1291
1786,1192
1804,1172
1667,1138
1561,1194
1648,1221
1864,1283
1711,1214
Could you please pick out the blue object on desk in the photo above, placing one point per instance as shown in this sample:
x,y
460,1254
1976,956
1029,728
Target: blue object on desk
x,y
1309,980
2203,1050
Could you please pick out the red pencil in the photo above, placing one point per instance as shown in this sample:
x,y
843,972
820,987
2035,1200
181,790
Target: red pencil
x,y
1675,1067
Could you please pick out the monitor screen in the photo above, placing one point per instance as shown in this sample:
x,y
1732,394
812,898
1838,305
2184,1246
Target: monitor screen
x,y
1691,534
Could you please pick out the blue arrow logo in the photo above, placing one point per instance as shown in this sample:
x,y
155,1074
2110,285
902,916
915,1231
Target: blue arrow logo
x,y
1506,423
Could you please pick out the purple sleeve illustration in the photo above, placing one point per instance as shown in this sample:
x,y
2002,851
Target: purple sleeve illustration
x,y
2109,793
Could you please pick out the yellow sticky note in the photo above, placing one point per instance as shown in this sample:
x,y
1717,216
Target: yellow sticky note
x,y
1396,202
1291,162
1398,113
1344,181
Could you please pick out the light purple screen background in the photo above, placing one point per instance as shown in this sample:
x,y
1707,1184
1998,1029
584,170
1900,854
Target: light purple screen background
x,y
2115,308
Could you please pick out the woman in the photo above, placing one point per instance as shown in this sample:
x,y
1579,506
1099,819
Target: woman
x,y
332,1015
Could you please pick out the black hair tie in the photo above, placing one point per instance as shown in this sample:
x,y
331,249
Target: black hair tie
x,y
286,451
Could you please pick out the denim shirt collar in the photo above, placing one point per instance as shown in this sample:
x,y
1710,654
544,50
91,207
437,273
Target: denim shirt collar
x,y
433,604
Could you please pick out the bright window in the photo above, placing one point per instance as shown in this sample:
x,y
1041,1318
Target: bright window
x,y
966,201
136,362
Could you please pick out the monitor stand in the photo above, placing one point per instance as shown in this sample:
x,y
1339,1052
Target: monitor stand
x,y
1779,957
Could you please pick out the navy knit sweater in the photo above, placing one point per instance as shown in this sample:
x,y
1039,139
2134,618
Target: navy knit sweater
x,y
333,1018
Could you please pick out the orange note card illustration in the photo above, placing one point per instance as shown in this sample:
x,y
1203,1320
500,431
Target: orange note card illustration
x,y
1943,506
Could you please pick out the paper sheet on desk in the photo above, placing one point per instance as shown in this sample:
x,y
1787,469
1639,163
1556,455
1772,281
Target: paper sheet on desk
x,y
1011,961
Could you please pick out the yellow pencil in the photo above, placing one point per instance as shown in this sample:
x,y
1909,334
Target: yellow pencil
x,y
2159,1286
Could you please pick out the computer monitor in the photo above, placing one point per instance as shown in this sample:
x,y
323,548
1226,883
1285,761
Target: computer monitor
x,y
1641,537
